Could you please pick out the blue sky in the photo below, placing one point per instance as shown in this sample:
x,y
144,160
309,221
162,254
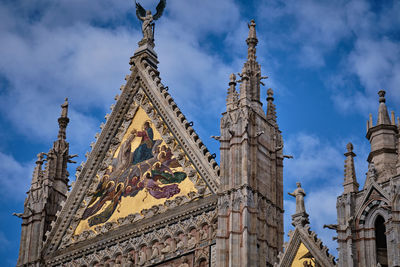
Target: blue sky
x,y
326,61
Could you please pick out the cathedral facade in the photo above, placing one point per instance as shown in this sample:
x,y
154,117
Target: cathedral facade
x,y
151,194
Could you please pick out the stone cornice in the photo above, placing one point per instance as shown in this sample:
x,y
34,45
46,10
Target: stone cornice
x,y
381,127
121,234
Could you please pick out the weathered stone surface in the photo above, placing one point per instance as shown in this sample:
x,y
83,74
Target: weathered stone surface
x,y
234,215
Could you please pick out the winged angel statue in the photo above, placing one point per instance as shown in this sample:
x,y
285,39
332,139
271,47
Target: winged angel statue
x,y
148,21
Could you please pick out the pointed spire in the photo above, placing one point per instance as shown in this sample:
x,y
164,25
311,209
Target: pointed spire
x,y
37,172
350,181
232,96
271,110
392,118
383,139
383,115
251,71
63,120
252,41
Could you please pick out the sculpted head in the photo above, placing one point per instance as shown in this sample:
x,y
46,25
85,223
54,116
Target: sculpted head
x,y
298,184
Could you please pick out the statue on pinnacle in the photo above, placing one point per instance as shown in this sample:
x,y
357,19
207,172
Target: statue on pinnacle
x,y
300,218
148,21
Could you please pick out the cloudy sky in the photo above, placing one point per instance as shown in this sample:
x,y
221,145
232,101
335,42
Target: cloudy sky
x,y
326,61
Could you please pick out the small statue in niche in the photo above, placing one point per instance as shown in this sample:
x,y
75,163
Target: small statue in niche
x,y
181,242
130,259
142,256
118,261
167,248
204,232
185,263
156,251
192,239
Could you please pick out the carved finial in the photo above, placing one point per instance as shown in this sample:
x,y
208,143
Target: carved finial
x,y
300,218
349,147
63,120
36,176
271,110
393,118
232,96
350,181
252,41
383,115
381,94
64,108
232,78
40,158
250,77
252,29
270,94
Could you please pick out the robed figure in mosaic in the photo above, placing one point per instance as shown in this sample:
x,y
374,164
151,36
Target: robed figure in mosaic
x,y
149,167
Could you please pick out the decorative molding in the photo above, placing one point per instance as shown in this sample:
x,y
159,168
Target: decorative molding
x,y
194,233
143,88
313,244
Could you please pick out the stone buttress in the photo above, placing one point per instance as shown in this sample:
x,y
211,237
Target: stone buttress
x,y
250,196
45,197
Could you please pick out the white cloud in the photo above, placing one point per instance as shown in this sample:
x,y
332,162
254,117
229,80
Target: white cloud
x,y
66,50
87,62
377,64
211,17
318,165
313,158
321,205
365,33
15,177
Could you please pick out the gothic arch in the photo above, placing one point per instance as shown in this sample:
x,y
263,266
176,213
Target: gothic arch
x,y
367,229
364,218
381,242
396,202
373,215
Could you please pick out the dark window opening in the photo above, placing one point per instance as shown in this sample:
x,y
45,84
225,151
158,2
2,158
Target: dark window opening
x,y
380,242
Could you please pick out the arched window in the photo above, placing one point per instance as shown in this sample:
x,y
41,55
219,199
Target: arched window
x,y
380,242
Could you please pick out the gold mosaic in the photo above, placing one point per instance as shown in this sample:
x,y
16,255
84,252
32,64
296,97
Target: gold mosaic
x,y
143,173
303,258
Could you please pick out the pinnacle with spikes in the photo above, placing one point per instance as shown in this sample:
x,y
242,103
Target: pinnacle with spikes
x,y
232,96
252,41
63,120
251,72
271,110
383,115
350,181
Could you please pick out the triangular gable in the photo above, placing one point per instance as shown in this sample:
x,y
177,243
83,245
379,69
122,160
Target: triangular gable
x,y
374,192
304,246
192,172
